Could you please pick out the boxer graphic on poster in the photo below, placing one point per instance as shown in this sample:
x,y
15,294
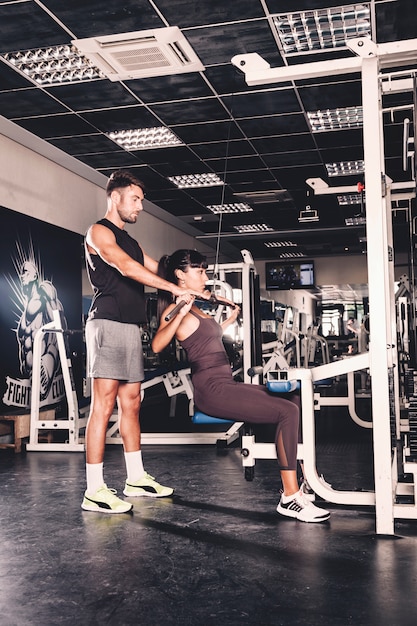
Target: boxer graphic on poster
x,y
40,300
35,299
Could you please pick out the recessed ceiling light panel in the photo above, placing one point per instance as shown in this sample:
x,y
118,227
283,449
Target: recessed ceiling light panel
x,y
349,199
235,207
356,220
145,138
345,168
253,228
291,255
280,244
189,181
53,65
322,29
335,119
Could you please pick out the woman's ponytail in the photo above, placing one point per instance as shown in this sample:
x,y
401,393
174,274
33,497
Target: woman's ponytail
x,y
164,297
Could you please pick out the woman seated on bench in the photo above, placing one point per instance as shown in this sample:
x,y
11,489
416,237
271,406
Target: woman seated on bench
x,y
215,391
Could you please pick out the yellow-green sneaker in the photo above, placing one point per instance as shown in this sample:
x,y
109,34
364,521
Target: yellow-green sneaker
x,y
104,500
147,486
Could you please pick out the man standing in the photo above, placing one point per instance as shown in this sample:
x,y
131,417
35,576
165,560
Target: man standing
x,y
118,269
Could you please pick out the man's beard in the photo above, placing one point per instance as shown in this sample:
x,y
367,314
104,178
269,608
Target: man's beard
x,y
129,219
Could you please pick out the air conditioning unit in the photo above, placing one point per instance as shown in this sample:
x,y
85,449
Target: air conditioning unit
x,y
141,54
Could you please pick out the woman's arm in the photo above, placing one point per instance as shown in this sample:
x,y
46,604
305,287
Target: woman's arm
x,y
232,317
180,326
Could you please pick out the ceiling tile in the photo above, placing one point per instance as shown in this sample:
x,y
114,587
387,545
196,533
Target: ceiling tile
x,y
267,102
215,149
122,118
86,18
10,79
207,131
24,102
274,125
85,144
25,25
56,125
183,112
170,88
95,94
218,44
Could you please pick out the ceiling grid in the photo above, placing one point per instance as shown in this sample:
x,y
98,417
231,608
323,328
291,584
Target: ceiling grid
x,y
258,138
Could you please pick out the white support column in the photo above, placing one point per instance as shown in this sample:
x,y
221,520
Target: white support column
x,y
247,317
379,255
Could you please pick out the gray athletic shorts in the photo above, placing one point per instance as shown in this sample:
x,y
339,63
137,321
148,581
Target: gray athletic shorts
x,y
114,350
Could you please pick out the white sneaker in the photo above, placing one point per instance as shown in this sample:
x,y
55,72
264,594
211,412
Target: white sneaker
x,y
298,507
147,486
104,500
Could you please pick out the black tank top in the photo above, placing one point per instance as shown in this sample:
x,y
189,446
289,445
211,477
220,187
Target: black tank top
x,y
116,297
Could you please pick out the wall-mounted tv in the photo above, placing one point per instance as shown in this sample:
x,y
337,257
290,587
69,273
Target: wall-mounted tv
x,y
289,275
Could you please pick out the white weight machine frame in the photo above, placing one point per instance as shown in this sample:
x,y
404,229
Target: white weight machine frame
x,y
311,401
370,59
75,419
246,268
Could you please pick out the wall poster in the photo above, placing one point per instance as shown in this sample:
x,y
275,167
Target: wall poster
x,y
40,271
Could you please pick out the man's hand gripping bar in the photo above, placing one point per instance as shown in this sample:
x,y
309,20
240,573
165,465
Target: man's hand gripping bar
x,y
214,299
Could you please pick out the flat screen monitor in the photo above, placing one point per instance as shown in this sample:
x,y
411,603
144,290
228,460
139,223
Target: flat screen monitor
x,y
286,275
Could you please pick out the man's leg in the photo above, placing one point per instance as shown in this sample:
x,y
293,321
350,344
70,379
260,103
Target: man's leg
x,y
103,400
128,400
139,482
97,496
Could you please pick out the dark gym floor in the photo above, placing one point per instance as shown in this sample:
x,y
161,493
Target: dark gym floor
x,y
216,553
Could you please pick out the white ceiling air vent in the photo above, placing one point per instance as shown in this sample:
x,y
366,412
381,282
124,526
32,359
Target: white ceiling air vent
x,y
141,54
265,197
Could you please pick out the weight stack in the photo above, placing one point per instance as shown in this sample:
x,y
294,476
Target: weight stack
x,y
411,393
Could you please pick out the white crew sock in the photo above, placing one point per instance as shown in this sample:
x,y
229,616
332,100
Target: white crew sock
x,y
95,480
287,499
134,466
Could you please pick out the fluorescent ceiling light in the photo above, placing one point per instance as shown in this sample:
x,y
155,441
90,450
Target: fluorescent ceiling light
x,y
291,255
322,29
280,244
145,138
356,220
349,198
335,119
235,207
185,181
345,168
253,228
54,65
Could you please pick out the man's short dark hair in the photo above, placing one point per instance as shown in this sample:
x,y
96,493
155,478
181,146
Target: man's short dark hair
x,y
122,178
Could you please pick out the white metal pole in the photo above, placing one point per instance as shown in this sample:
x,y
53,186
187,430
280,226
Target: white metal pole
x,y
378,258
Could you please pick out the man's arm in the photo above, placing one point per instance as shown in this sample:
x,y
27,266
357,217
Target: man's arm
x,y
101,240
150,263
